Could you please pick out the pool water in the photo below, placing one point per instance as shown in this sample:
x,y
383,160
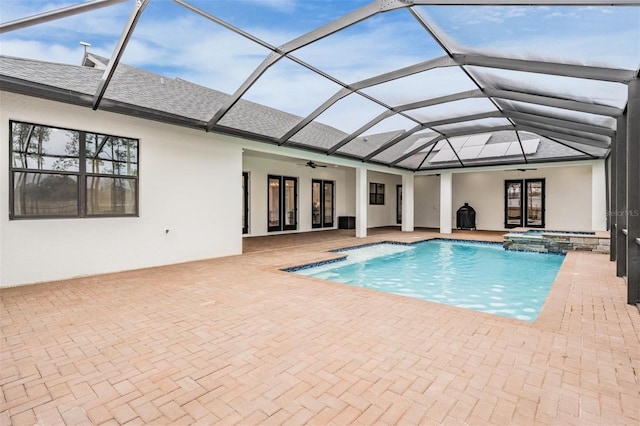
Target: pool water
x,y
478,276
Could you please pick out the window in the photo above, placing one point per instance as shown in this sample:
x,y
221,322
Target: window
x,y
58,173
282,202
322,203
524,203
376,193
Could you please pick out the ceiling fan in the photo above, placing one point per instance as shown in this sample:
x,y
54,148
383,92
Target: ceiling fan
x,y
312,164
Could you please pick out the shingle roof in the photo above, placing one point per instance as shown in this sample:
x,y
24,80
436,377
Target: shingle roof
x,y
140,88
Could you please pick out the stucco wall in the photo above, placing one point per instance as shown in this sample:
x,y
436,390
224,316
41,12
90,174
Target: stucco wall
x,y
189,184
259,168
383,215
427,201
568,197
567,189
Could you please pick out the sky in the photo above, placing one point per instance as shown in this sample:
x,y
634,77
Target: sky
x,y
175,42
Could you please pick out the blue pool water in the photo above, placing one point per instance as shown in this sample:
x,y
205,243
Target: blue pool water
x,y
478,276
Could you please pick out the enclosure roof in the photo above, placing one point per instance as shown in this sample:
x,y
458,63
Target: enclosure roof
x,y
417,85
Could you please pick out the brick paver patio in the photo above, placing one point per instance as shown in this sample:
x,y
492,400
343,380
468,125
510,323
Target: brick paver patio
x,y
236,341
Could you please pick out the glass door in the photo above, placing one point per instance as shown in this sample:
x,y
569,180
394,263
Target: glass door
x,y
274,204
290,198
322,203
524,203
316,205
513,203
327,205
535,203
245,202
282,202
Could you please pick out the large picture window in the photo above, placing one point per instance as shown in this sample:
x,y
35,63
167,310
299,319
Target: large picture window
x,y
58,172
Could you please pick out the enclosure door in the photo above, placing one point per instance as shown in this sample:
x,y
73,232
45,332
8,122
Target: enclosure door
x,y
399,204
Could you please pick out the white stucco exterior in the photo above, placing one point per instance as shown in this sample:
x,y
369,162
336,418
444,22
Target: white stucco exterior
x,y
568,205
190,197
184,188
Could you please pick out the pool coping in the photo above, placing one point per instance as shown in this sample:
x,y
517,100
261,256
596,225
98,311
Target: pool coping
x,y
400,243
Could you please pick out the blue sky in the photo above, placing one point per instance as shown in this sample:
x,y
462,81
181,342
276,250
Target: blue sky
x,y
175,42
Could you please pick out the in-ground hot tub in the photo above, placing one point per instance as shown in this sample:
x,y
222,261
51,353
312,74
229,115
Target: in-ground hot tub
x,y
547,241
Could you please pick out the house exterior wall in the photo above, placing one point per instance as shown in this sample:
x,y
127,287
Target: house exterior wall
x,y
568,203
189,184
383,215
260,168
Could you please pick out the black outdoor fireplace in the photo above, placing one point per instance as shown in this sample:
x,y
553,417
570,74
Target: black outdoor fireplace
x,y
466,217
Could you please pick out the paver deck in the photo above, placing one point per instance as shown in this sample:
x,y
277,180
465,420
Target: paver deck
x,y
237,341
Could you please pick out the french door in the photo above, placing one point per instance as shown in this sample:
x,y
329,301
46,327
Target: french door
x,y
282,202
322,203
245,202
524,203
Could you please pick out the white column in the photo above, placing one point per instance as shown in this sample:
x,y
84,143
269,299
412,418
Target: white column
x,y
598,197
446,201
407,203
362,202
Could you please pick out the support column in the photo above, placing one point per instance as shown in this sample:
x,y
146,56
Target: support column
x,y
621,196
362,202
598,197
633,193
611,213
408,197
446,201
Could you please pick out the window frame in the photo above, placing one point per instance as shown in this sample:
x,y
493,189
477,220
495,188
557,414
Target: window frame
x,y
81,176
376,194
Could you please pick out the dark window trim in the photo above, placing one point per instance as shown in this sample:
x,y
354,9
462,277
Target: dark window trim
x,y
81,175
376,193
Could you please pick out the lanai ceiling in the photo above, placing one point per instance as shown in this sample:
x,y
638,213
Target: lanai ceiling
x,y
413,84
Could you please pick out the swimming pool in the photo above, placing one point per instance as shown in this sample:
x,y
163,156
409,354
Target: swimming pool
x,y
478,276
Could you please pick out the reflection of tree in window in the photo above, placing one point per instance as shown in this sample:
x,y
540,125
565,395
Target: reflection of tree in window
x,y
103,168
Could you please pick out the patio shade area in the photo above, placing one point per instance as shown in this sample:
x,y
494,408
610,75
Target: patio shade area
x,y
237,341
406,84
